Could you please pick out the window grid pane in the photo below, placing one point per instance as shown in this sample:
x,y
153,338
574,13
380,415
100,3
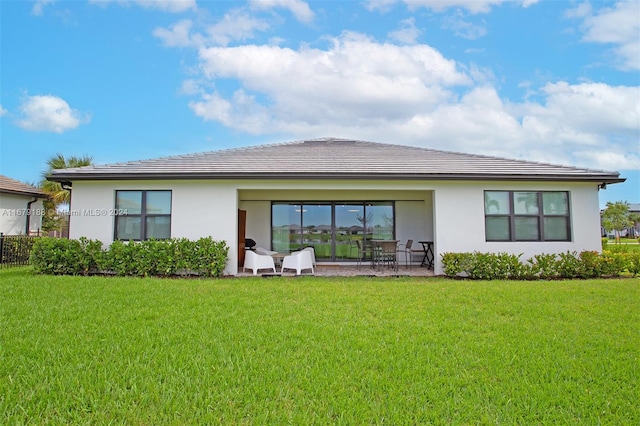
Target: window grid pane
x,y
497,228
555,203
525,203
496,202
556,229
128,227
158,202
129,201
527,229
158,227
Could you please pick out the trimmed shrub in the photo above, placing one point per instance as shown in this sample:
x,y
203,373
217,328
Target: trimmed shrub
x,y
633,264
544,266
568,265
587,264
204,257
57,256
456,264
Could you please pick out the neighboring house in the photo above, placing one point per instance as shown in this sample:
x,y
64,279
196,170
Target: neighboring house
x,y
461,202
635,209
632,231
21,208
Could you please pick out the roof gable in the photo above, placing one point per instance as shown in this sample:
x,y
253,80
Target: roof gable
x,y
332,158
12,186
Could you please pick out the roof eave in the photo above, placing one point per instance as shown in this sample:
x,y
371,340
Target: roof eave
x,y
605,179
31,194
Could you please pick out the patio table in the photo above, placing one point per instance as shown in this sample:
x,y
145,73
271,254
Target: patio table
x,y
277,258
428,258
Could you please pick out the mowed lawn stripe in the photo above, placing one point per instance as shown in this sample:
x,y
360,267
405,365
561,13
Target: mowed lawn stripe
x,y
317,350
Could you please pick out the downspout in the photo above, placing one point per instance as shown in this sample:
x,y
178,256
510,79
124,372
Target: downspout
x,y
27,226
66,185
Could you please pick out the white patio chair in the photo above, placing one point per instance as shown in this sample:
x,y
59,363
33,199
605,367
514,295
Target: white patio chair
x,y
298,260
256,262
313,254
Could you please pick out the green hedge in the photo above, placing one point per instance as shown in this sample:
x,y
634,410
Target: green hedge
x,y
587,264
204,257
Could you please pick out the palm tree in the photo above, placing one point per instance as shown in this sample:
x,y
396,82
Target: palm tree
x,y
52,220
57,193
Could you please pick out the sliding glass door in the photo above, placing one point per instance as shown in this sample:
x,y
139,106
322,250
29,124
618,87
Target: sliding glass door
x,y
332,228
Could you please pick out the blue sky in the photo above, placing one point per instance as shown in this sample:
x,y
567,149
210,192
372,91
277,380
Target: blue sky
x,y
120,80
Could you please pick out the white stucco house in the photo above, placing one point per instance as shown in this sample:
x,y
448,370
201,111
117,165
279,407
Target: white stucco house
x,y
330,192
21,208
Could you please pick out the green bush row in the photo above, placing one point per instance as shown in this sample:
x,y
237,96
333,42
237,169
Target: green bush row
x,y
587,264
177,256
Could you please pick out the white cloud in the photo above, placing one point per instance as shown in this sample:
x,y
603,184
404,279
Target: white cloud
x,y
463,28
298,8
472,6
172,6
362,88
3,111
582,10
236,25
380,91
177,36
407,33
190,87
38,7
48,113
356,79
618,25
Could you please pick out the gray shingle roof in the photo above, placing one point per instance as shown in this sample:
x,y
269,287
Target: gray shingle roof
x,y
12,186
331,158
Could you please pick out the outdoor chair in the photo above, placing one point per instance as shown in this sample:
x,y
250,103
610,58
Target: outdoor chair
x,y
313,254
256,262
386,254
298,260
409,251
364,252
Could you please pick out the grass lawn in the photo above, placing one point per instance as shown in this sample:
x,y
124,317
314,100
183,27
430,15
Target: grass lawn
x,y
317,350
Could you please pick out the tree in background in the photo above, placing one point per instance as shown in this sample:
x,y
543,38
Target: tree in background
x,y
616,217
53,220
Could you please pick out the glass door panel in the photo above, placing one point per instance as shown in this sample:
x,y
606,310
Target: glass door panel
x,y
349,229
316,229
380,221
285,227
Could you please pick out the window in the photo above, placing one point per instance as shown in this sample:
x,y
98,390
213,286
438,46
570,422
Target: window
x,y
527,216
143,215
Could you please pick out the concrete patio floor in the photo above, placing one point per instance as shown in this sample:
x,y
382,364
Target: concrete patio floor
x,y
349,270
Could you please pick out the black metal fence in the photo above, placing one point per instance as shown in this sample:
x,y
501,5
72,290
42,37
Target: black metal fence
x,y
15,249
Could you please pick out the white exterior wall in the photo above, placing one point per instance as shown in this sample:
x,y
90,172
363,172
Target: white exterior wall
x,y
258,226
459,219
13,214
198,209
449,213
